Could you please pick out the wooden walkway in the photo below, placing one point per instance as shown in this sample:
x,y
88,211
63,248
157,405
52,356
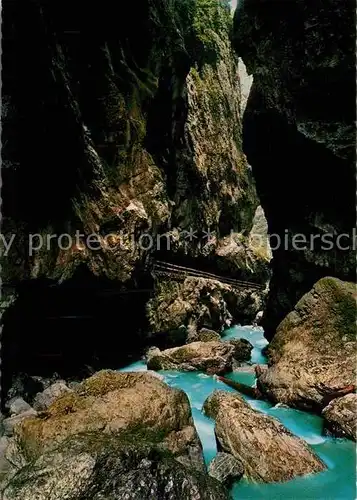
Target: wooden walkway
x,y
158,269
173,271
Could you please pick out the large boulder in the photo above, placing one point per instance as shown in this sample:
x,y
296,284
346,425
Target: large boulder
x,y
96,466
313,353
268,451
207,335
112,402
341,417
153,150
242,349
210,357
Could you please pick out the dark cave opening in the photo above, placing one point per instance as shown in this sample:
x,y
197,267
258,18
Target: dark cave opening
x,y
71,329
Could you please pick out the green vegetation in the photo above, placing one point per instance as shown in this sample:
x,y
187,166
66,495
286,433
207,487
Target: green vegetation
x,y
166,292
212,19
211,15
140,433
203,23
344,305
184,354
327,314
165,289
101,383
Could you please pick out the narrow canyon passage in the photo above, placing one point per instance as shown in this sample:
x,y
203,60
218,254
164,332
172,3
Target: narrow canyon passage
x,y
160,160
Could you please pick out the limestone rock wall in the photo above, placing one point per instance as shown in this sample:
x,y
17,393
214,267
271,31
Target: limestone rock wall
x,y
118,124
299,138
108,135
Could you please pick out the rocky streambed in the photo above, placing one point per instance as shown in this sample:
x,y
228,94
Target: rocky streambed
x,y
336,481
170,426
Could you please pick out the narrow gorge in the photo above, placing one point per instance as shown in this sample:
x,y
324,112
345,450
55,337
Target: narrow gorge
x,y
178,297
130,145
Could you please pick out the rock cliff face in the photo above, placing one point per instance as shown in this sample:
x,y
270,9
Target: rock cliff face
x,y
120,129
299,138
119,138
178,310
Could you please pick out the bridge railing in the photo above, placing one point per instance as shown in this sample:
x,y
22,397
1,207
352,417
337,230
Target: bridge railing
x,y
160,267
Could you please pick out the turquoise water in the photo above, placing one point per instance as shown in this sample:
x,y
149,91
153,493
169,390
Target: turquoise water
x,y
338,482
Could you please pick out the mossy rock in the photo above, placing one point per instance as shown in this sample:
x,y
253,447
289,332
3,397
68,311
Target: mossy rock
x,y
207,335
115,402
343,301
257,439
211,357
93,466
313,353
211,405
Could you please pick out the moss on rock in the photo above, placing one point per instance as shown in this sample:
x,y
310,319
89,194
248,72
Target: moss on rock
x,y
211,357
313,353
97,466
113,402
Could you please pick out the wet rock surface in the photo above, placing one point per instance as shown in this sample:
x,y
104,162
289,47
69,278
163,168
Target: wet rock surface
x,y
242,349
140,143
313,354
341,417
226,469
266,449
211,357
97,466
148,142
